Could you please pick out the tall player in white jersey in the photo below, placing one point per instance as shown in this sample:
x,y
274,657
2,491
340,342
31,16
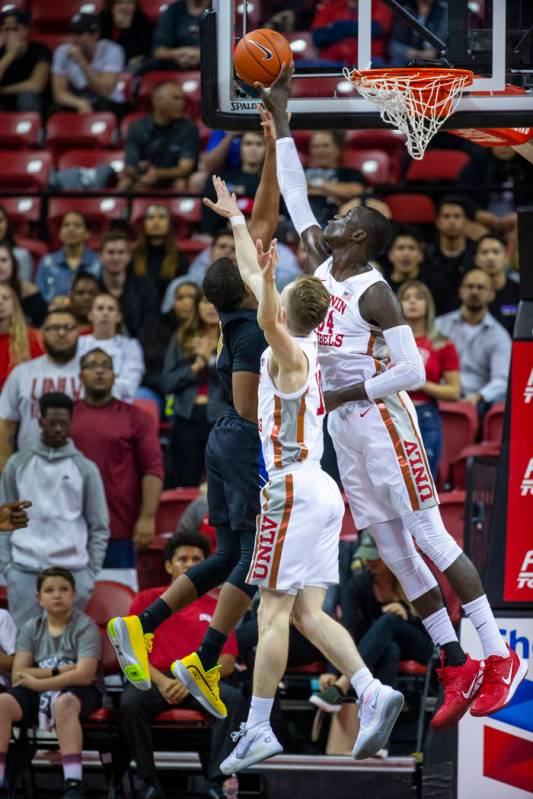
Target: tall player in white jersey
x,y
369,360
297,540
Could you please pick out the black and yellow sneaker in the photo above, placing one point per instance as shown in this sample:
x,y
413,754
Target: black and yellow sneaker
x,y
202,684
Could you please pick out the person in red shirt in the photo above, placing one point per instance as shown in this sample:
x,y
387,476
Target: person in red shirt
x,y
335,31
442,366
123,442
18,342
174,638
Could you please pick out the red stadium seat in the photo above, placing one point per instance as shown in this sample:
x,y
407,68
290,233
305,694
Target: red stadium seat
x,y
92,158
437,165
154,8
151,564
391,141
413,209
20,129
320,87
127,121
98,211
22,212
452,508
184,211
171,508
302,139
459,427
49,39
302,45
189,82
108,599
150,407
56,14
459,465
493,423
65,130
24,171
374,164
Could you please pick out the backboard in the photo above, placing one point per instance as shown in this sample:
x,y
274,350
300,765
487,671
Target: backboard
x,y
493,38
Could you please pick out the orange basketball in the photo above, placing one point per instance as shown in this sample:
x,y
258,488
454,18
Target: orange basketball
x,y
259,56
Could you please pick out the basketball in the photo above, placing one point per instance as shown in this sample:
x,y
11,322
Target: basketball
x,y
259,56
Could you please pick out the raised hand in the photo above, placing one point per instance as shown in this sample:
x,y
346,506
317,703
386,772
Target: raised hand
x,y
276,96
269,128
226,204
267,260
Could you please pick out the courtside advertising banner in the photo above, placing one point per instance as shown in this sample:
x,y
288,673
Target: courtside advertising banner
x,y
518,584
495,757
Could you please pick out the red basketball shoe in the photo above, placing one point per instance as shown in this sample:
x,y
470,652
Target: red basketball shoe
x,y
501,678
460,684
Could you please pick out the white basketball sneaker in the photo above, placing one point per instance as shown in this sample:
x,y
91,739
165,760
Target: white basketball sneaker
x,y
254,744
379,707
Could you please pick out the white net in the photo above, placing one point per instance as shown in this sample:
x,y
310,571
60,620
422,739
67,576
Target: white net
x,y
417,102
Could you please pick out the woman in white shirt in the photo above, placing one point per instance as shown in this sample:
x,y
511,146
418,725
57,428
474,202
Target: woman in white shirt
x,y
127,355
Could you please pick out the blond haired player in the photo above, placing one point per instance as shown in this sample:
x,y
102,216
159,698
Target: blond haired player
x,y
297,539
381,457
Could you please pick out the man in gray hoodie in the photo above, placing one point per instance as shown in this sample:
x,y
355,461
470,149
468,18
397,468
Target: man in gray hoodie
x,y
68,521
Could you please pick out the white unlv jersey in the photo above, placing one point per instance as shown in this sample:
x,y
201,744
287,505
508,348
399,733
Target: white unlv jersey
x,y
350,349
291,425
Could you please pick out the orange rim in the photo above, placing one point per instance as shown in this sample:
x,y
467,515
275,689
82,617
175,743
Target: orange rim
x,y
418,75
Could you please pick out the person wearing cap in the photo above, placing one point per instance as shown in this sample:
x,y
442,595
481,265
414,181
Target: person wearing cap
x,y
381,621
85,72
24,65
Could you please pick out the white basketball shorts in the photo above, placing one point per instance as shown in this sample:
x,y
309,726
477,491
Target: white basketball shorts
x,y
297,539
381,458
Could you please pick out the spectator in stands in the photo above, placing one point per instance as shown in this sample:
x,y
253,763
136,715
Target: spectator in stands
x,y
137,295
18,342
68,519
85,72
57,370
244,181
406,44
162,148
484,346
55,675
443,380
156,255
8,640
172,640
190,375
83,290
335,31
7,237
223,151
328,182
24,65
125,352
406,256
222,246
381,621
177,34
56,270
491,257
451,254
123,442
186,296
31,301
121,21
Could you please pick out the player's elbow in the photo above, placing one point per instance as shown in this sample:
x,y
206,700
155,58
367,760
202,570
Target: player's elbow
x,y
417,374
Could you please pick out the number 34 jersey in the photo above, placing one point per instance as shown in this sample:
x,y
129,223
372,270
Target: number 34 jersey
x,y
350,349
290,425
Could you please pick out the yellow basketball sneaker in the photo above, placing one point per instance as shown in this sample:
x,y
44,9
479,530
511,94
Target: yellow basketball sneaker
x,y
203,685
132,646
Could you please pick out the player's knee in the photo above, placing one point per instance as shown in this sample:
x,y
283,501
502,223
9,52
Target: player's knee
x,y
305,621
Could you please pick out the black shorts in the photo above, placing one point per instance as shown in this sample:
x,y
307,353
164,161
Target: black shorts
x,y
89,696
232,461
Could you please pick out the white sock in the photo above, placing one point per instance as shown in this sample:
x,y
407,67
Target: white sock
x,y
71,767
480,614
361,680
440,627
260,710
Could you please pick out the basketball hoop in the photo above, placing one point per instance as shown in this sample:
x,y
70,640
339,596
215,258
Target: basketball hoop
x,y
415,100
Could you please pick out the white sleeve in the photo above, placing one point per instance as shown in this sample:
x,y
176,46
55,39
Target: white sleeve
x,y
9,397
131,372
8,633
293,184
112,58
59,60
407,371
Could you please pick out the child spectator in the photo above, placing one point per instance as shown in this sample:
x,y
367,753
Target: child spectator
x,y
123,442
121,21
28,295
24,65
68,520
7,237
156,255
18,343
57,269
443,381
125,353
8,640
190,375
55,676
172,640
177,34
491,257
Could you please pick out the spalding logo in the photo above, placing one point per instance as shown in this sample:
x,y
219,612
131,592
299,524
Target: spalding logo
x,y
267,54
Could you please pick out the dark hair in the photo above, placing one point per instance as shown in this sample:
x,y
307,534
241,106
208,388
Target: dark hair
x,y
91,352
407,231
222,231
170,265
223,285
55,399
55,571
493,236
83,276
78,213
14,279
378,230
9,238
61,311
456,199
116,234
186,540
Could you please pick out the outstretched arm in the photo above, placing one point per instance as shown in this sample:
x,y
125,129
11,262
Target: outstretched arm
x,y
265,213
291,177
245,252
